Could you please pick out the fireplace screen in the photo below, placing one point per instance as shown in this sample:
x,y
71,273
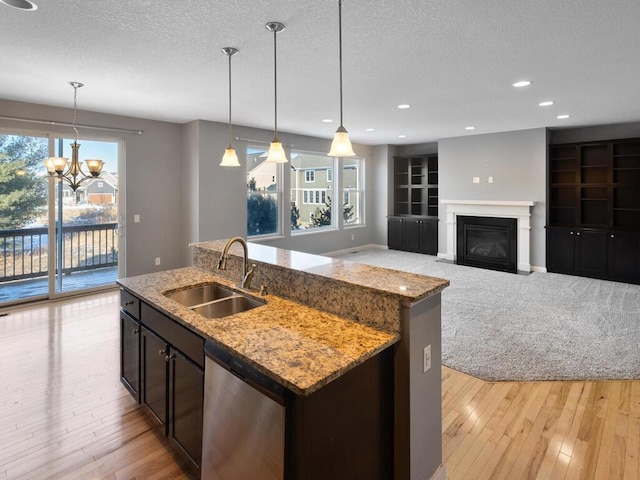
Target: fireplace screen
x,y
487,242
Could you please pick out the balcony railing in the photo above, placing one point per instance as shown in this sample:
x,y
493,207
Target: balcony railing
x,y
24,251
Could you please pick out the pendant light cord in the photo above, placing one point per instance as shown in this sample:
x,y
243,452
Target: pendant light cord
x,y
275,83
340,56
75,112
230,135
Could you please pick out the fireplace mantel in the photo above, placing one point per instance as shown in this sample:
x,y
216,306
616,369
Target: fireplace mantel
x,y
520,210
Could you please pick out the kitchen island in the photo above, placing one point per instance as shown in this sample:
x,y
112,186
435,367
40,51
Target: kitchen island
x,y
324,321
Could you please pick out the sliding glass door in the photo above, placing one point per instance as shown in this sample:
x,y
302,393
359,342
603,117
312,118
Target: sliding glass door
x,y
54,240
86,234
24,219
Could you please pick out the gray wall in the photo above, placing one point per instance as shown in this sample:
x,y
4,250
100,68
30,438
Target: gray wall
x,y
516,161
153,185
221,191
173,180
379,192
600,132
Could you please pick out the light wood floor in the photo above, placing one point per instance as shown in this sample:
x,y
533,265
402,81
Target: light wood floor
x,y
65,415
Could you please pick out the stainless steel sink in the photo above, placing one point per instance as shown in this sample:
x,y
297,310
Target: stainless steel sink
x,y
192,297
213,300
228,306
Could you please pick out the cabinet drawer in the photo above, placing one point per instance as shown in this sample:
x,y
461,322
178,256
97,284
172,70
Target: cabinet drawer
x,y
130,304
180,337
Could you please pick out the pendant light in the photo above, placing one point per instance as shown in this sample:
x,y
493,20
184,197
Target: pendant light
x,y
341,145
276,152
230,159
71,172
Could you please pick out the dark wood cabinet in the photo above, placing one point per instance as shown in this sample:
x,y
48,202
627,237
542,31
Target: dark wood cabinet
x,y
162,365
186,397
413,234
130,354
593,214
594,253
155,376
394,233
624,256
130,343
344,430
413,226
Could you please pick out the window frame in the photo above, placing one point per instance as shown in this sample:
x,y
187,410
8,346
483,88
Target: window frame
x,y
277,195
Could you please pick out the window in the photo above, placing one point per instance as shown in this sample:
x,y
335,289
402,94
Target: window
x,y
314,197
310,176
353,191
311,207
262,193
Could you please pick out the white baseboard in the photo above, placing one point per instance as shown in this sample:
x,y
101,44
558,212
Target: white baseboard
x,y
538,269
359,248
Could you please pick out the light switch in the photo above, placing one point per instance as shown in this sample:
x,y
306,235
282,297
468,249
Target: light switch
x,y
490,179
136,218
476,179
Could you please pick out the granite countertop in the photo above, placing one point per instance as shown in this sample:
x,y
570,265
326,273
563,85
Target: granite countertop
x,y
404,286
300,347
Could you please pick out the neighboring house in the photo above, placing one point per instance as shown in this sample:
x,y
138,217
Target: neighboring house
x,y
263,173
96,191
312,184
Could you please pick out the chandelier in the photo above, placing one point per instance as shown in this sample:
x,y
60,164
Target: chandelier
x,y
71,171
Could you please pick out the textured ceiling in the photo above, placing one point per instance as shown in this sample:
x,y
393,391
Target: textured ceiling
x,y
453,60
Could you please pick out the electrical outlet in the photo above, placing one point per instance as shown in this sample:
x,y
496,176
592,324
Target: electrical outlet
x,y
157,260
136,218
490,179
427,358
353,237
476,179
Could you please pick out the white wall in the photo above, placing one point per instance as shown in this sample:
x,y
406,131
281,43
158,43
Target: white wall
x,y
516,161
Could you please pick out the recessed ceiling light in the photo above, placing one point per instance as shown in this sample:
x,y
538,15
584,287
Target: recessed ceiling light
x,y
470,128
522,83
546,104
402,136
562,117
403,106
327,120
21,4
368,129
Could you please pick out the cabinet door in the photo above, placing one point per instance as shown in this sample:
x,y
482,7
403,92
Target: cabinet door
x,y
394,233
411,235
429,237
186,393
130,354
560,250
591,253
155,370
624,256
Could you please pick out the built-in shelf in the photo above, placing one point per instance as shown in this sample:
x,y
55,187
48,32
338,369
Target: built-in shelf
x,y
593,195
413,224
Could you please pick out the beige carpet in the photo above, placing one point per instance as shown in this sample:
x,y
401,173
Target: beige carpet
x,y
543,326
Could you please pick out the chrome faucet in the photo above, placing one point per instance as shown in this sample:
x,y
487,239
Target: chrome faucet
x,y
247,273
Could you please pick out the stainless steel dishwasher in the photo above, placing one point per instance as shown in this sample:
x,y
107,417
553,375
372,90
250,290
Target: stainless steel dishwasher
x,y
244,421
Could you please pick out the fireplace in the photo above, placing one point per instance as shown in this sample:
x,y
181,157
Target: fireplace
x,y
487,242
518,209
